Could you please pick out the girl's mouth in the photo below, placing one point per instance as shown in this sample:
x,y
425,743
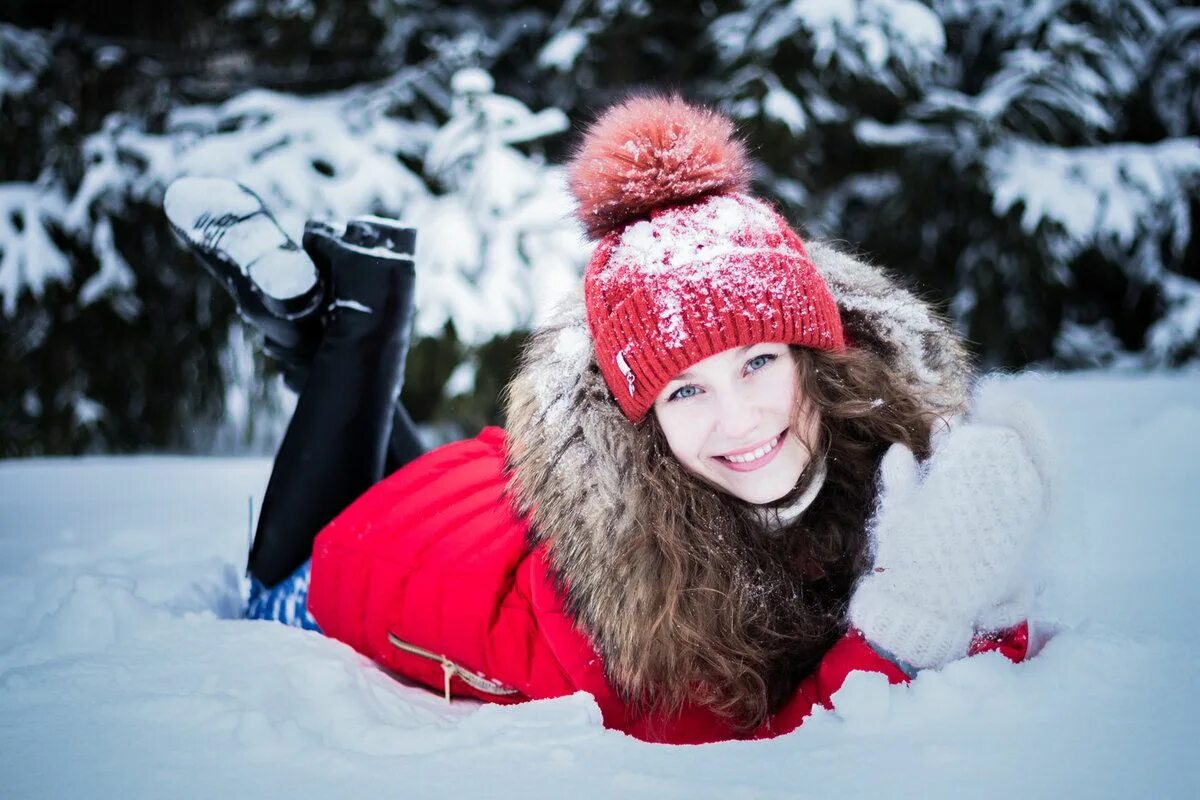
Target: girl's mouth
x,y
750,460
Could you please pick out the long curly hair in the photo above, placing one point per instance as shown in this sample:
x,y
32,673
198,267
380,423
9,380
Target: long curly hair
x,y
738,614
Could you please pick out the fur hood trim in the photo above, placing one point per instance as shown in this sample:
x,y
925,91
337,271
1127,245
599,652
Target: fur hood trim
x,y
569,445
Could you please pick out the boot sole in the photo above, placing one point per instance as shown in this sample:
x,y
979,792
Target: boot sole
x,y
290,322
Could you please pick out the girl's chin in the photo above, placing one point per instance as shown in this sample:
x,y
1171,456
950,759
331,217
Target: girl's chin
x,y
759,498
760,490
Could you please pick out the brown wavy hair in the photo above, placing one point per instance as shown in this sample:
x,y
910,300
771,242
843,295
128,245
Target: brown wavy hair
x,y
738,615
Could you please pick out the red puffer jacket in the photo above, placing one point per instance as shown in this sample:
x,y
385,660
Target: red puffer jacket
x,y
432,574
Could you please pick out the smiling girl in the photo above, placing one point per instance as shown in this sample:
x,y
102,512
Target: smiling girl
x,y
733,472
710,412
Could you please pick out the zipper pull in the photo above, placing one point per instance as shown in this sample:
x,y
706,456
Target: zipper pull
x,y
448,671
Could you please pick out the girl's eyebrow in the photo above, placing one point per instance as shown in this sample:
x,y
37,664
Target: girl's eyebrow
x,y
683,376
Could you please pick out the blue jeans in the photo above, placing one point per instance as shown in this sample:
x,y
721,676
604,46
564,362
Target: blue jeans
x,y
286,601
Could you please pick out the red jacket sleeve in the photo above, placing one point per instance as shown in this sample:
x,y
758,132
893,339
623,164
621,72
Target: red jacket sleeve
x,y
853,653
428,574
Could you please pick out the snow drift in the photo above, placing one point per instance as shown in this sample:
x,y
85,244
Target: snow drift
x,y
125,671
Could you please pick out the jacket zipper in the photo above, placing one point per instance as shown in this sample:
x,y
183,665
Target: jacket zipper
x,y
450,669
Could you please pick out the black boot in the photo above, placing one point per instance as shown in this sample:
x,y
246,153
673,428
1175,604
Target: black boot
x,y
277,288
337,444
237,239
375,237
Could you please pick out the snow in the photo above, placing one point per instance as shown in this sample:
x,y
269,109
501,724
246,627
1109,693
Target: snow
x,y
780,104
115,274
471,81
28,257
24,55
1175,100
903,134
256,411
572,343
1093,193
693,243
124,671
498,246
862,36
561,52
876,24
888,43
462,380
699,251
1181,324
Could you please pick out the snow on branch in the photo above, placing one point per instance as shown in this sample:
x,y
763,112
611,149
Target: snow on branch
x,y
862,38
29,258
1094,196
497,246
24,56
1177,334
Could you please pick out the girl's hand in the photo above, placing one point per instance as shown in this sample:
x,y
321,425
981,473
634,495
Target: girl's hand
x,y
951,537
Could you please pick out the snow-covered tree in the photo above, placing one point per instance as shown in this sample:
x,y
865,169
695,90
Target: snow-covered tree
x,y
1033,163
1020,158
497,247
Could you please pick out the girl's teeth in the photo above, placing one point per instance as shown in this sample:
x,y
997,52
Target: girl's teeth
x,y
759,453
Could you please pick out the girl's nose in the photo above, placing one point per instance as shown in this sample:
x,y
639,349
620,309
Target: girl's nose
x,y
738,417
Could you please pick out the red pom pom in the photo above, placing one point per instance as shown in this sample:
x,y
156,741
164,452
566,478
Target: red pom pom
x,y
649,152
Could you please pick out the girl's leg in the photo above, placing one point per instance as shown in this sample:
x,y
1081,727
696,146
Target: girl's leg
x,y
337,316
403,445
287,601
340,440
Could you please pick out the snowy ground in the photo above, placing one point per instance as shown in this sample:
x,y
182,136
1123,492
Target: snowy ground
x,y
125,673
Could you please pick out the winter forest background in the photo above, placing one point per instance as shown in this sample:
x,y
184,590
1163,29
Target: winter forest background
x,y
1033,164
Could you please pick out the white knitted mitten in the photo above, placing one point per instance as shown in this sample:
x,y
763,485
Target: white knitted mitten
x,y
951,538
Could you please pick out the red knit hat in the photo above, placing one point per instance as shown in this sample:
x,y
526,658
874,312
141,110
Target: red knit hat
x,y
688,264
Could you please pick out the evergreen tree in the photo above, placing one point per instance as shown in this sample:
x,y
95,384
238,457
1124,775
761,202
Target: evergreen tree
x,y
1031,162
1018,158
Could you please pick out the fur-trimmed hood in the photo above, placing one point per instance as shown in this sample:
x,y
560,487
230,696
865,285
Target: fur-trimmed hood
x,y
570,445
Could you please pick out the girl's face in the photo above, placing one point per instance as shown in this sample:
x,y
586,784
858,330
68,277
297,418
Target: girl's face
x,y
727,419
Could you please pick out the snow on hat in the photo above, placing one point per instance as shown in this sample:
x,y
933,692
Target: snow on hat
x,y
687,263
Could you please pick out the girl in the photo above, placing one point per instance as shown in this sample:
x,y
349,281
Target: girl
x,y
731,475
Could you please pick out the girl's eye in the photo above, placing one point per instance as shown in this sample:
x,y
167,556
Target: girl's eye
x,y
684,392
758,362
